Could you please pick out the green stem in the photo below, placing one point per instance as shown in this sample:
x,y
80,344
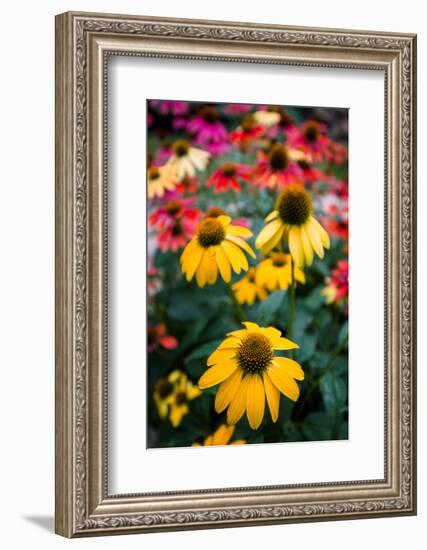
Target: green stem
x,y
238,310
291,303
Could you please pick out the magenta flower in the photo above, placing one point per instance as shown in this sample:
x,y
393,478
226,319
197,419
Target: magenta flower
x,y
176,108
208,131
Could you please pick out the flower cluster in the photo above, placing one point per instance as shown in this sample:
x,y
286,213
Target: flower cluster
x,y
247,274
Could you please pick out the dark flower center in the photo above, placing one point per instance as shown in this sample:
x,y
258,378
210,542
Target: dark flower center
x,y
303,164
229,169
254,353
214,212
278,157
294,205
209,114
181,147
279,259
247,123
180,398
164,388
173,207
312,131
177,228
153,173
210,232
251,275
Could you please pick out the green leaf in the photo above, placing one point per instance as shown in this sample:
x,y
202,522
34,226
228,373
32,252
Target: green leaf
x,y
183,308
343,334
317,427
203,351
270,307
334,392
307,347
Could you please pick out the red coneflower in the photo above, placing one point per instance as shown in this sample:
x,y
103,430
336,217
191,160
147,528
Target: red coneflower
x,y
176,222
311,139
227,177
208,131
248,131
276,169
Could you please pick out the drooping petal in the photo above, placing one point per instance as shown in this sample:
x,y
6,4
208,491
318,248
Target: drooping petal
x,y
272,216
283,382
255,401
273,397
218,373
314,236
193,260
227,391
223,264
238,403
324,237
268,232
295,245
306,245
243,244
200,271
271,243
235,255
291,367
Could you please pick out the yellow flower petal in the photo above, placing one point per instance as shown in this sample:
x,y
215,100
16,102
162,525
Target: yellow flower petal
x,y
224,220
220,355
243,244
252,327
291,367
223,435
238,404
324,237
273,334
227,391
239,231
275,239
235,255
268,232
272,216
223,264
284,343
177,413
218,373
283,382
306,246
255,401
238,333
314,236
295,245
231,342
200,271
273,397
192,261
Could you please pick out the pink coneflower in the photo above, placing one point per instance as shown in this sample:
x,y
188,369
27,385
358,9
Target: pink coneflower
x,y
228,176
248,131
208,131
157,337
310,173
276,169
176,222
175,108
310,138
337,284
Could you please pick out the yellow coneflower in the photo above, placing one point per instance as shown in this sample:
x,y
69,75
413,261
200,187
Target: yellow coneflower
x,y
293,218
276,272
186,159
172,394
221,436
160,179
217,246
246,366
248,288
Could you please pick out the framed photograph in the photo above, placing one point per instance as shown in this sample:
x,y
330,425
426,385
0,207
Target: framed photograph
x,y
235,274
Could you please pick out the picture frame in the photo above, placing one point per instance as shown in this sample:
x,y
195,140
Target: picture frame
x,y
84,42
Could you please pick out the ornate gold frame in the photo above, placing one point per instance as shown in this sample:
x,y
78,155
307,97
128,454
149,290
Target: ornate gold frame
x,y
83,43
